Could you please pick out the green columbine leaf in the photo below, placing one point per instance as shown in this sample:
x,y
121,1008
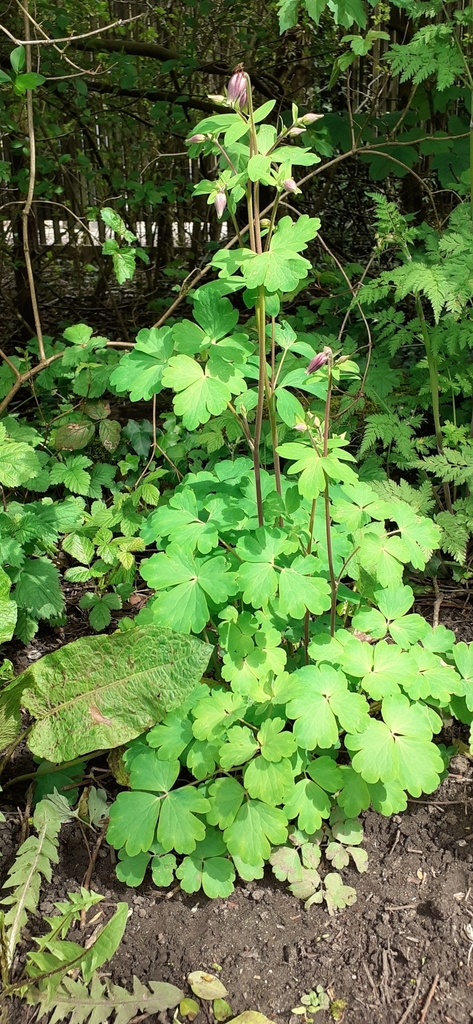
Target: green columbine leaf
x,y
133,818
163,866
354,795
316,698
398,748
382,556
208,868
275,744
178,827
100,692
201,758
300,589
240,747
255,829
219,709
315,468
433,678
171,737
147,772
183,524
226,797
382,667
216,318
140,371
72,473
200,394
463,655
132,870
309,804
257,576
38,589
184,607
269,781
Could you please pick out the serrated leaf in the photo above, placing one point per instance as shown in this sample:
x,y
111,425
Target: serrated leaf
x,y
38,589
8,610
100,692
98,1002
18,462
73,436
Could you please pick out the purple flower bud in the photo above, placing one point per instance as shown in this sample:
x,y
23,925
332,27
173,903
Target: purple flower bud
x,y
295,131
196,138
289,185
317,362
220,203
309,118
236,90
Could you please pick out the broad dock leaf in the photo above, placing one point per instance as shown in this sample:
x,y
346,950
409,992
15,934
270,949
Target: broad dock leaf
x,y
100,692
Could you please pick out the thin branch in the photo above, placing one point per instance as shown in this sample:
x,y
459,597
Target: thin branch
x,y
29,199
64,39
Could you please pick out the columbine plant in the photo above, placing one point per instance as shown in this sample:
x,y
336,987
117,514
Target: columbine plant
x,y
324,690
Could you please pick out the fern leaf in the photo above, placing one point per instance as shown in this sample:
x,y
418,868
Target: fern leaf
x,y
455,535
34,858
95,1003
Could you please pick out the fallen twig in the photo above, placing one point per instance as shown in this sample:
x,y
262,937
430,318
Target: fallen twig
x,y
411,1002
428,1001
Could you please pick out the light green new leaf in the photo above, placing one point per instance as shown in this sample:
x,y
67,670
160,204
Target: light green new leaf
x,y
309,804
315,467
276,271
463,655
133,818
18,461
100,692
316,698
269,781
8,609
300,589
208,868
147,772
256,828
184,607
140,371
171,737
178,827
383,668
433,678
226,796
240,747
382,556
275,743
200,395
399,748
220,708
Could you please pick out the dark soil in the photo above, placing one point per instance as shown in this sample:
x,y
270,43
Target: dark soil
x,y
404,940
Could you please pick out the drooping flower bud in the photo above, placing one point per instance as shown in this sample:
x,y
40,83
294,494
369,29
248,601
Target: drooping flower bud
x,y
295,131
309,118
318,361
289,185
196,138
236,90
220,202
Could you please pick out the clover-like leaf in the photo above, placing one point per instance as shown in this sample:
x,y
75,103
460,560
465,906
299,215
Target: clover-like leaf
x,y
300,589
226,797
269,781
399,748
275,744
200,394
316,698
255,829
208,868
185,582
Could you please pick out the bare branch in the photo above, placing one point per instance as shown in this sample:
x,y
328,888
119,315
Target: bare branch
x,y
64,39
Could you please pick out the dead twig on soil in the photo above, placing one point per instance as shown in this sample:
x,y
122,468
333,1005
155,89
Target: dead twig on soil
x,y
438,602
90,869
428,1001
370,980
411,1002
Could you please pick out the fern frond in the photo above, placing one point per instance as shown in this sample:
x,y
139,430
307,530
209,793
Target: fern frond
x,y
455,535
34,859
94,1003
431,52
452,466
419,499
388,429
